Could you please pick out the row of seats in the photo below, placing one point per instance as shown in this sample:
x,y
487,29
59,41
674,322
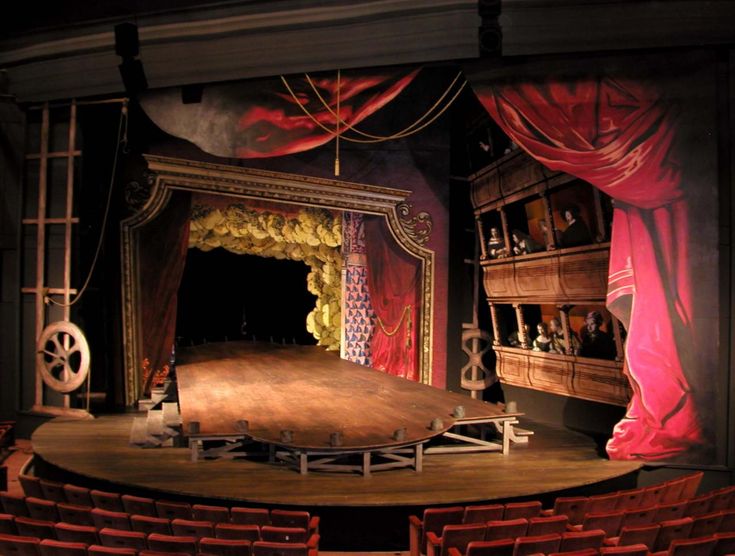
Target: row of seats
x,y
656,537
666,501
152,545
119,515
69,494
719,544
140,526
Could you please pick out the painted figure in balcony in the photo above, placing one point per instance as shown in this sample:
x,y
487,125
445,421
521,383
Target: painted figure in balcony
x,y
514,340
496,244
595,341
523,243
559,342
543,340
576,232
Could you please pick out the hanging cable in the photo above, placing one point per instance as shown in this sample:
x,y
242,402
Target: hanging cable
x,y
120,143
412,129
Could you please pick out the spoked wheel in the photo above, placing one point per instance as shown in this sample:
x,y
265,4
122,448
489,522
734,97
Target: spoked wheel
x,y
62,356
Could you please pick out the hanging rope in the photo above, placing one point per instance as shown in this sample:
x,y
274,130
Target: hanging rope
x,y
406,132
121,143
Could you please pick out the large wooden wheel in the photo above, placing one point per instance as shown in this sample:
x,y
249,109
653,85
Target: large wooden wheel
x,y
62,356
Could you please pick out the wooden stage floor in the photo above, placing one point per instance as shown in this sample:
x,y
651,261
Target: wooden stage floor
x,y
554,460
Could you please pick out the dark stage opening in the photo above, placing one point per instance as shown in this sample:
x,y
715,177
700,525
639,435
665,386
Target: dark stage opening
x,y
225,296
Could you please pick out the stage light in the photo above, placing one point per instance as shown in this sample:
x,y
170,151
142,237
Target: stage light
x,y
511,407
399,434
458,412
133,76
126,40
131,69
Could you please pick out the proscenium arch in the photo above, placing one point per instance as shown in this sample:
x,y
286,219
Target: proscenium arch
x,y
171,174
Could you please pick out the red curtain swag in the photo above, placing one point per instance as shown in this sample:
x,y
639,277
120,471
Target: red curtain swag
x,y
618,135
393,281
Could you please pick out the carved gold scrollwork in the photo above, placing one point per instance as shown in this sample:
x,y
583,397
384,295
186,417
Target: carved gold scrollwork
x,y
418,227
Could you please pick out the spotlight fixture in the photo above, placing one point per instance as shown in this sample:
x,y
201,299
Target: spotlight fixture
x,y
399,434
127,47
436,424
459,412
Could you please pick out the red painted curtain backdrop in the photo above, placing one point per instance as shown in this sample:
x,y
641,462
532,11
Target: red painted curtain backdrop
x,y
395,287
618,135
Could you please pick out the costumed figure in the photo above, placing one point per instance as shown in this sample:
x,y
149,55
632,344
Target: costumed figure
x,y
542,341
514,340
523,243
559,343
596,342
496,245
576,232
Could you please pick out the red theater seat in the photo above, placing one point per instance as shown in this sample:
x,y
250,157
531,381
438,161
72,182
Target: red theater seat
x,y
547,525
224,547
99,550
642,534
725,544
630,499
271,533
454,536
79,496
30,527
250,516
543,544
483,514
31,485
7,524
434,520
639,517
70,532
652,495
14,505
609,522
191,528
574,507
123,539
671,531
138,505
109,501
172,543
146,524
79,515
582,552
699,506
573,541
215,514
173,510
38,508
516,510
703,546
506,529
691,485
705,525
667,512
630,550
727,525
724,499
288,518
503,547
236,531
18,545
603,503
51,547
263,548
108,518
53,491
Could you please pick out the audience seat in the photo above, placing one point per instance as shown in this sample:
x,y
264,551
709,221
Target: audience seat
x,y
543,544
77,495
434,520
727,525
515,510
108,518
173,510
172,543
191,528
99,550
271,533
7,524
502,547
725,544
702,546
671,531
483,514
70,532
263,548
138,505
52,547
53,491
630,499
147,524
250,516
289,518
31,485
628,550
603,503
547,525
574,507
506,529
724,499
18,545
122,539
215,514
109,501
572,541
639,517
667,512
457,536
14,505
237,531
30,527
707,524
224,547
38,508
641,534
699,506
79,515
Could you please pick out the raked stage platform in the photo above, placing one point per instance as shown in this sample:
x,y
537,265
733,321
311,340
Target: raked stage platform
x,y
312,394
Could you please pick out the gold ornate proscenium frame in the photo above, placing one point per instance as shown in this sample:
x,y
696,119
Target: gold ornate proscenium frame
x,y
170,174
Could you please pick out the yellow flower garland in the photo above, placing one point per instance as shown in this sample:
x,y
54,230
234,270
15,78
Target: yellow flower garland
x,y
313,236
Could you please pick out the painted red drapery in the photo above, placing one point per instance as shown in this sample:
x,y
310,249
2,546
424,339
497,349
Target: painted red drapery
x,y
163,245
393,280
239,120
619,136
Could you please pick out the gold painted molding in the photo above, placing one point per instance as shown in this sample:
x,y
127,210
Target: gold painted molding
x,y
172,174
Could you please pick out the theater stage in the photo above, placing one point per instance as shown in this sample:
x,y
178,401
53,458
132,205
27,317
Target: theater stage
x,y
313,393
